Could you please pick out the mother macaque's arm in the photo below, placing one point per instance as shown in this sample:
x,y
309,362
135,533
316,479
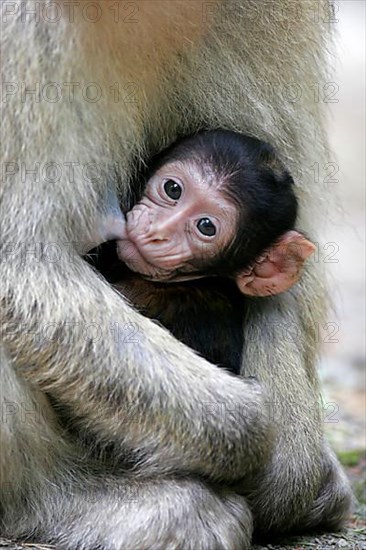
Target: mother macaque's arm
x,y
124,378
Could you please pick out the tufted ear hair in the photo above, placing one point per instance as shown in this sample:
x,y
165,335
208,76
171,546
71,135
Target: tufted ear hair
x,y
279,268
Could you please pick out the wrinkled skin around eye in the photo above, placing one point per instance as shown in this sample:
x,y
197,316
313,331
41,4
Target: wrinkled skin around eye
x,y
182,216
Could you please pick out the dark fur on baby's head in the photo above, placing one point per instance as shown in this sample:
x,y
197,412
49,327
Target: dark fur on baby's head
x,y
253,179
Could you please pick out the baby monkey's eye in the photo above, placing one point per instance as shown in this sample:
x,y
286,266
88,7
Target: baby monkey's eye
x,y
206,227
173,189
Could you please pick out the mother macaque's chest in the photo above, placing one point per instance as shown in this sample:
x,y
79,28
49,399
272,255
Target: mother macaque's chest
x,y
205,314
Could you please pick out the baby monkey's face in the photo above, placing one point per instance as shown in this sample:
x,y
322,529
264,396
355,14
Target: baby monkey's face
x,y
183,216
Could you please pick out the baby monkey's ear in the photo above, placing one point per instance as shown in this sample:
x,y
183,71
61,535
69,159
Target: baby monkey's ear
x,y
278,268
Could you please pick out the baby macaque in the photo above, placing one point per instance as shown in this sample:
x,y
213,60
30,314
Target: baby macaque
x,y
214,225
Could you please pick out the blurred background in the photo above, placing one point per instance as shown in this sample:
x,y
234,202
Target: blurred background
x,y
343,363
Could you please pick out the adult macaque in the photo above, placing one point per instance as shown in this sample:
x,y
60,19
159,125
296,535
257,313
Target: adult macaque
x,y
218,205
87,96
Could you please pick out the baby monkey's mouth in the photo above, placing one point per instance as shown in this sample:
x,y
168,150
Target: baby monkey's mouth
x,y
129,252
133,255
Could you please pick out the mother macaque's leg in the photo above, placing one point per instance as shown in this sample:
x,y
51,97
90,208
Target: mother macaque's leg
x,y
52,491
313,490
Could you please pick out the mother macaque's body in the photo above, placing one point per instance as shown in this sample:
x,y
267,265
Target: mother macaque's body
x,y
152,403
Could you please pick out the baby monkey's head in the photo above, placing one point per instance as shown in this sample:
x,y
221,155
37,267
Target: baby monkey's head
x,y
212,204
